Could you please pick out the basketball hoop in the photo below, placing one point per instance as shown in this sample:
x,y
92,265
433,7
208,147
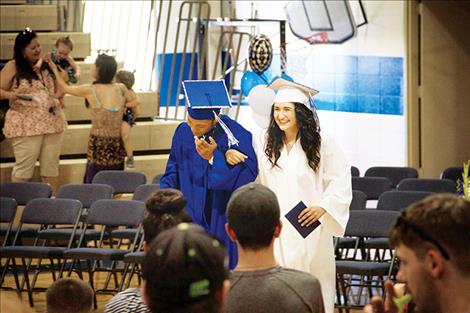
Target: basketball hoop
x,y
318,38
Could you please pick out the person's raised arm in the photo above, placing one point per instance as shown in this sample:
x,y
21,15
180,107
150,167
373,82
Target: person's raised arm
x,y
79,91
75,67
6,80
378,305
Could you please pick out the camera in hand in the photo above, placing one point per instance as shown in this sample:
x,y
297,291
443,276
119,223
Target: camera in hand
x,y
207,135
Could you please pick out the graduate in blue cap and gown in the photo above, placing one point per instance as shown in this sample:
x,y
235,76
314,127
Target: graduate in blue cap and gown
x,y
211,156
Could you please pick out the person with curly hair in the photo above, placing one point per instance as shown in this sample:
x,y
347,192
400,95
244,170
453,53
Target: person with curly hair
x,y
164,210
299,163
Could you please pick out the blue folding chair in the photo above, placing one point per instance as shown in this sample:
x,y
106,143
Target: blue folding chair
x,y
46,214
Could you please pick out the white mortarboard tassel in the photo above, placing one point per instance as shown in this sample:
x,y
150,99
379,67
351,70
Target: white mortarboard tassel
x,y
232,141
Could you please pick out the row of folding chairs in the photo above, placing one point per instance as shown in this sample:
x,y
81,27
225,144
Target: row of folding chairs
x,y
364,258
47,235
85,193
373,187
61,237
359,273
379,179
122,182
396,173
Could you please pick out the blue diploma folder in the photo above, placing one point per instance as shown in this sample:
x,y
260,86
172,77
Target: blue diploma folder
x,y
293,217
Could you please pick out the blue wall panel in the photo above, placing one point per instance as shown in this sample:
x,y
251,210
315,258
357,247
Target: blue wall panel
x,y
364,84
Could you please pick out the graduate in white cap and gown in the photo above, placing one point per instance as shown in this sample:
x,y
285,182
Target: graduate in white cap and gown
x,y
299,163
211,156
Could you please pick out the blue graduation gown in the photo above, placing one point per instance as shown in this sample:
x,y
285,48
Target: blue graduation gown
x,y
207,188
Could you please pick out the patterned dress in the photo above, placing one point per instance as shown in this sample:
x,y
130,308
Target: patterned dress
x,y
42,115
105,146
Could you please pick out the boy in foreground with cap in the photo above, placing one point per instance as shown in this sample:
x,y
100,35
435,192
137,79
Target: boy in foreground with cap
x,y
211,156
185,270
258,283
299,164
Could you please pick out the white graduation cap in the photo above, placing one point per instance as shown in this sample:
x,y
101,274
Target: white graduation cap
x,y
287,91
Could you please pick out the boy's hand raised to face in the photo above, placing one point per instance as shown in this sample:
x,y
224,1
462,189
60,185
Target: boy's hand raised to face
x,y
205,149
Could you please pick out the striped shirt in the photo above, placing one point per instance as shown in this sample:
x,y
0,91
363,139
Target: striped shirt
x,y
127,301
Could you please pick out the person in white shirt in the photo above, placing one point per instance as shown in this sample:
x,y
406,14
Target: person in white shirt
x,y
299,163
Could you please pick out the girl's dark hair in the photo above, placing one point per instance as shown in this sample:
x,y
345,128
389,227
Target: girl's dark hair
x,y
23,67
309,132
106,67
164,209
126,77
184,270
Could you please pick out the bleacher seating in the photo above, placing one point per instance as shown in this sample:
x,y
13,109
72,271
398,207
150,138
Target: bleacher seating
x,y
151,139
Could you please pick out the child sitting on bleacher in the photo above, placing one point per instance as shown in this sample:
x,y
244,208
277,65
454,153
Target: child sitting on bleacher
x,y
128,120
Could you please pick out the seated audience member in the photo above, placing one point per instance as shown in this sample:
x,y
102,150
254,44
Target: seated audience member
x,y
185,270
69,295
9,302
165,209
432,241
258,283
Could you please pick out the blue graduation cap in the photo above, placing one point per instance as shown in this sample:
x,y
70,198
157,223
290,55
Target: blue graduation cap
x,y
205,99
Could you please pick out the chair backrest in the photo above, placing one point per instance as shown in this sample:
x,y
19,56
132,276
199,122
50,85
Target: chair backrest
x,y
370,223
116,212
430,185
85,193
121,181
51,211
359,200
395,174
398,200
7,209
156,178
373,187
355,171
453,173
142,192
23,192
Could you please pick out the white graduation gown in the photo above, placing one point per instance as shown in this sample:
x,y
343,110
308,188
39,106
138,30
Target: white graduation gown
x,y
329,187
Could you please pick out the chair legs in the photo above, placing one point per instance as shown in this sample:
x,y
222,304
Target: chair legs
x,y
91,281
